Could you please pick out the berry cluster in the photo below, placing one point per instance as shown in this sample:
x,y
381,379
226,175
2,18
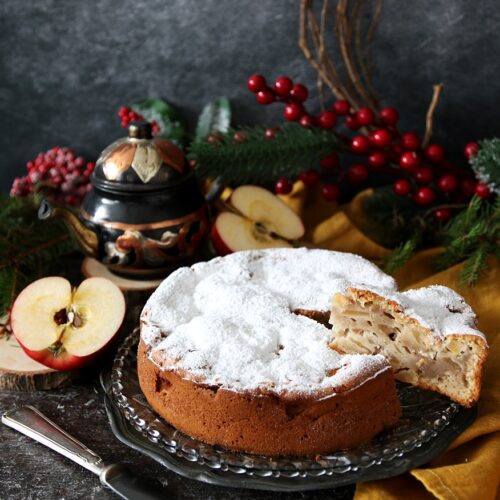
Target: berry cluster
x,y
59,173
420,172
127,116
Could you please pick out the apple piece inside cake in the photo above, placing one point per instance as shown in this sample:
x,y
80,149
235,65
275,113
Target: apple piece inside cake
x,y
428,335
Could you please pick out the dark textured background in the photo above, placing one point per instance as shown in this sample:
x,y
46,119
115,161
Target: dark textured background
x,y
66,67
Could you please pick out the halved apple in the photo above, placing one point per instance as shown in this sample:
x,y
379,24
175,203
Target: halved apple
x,y
260,220
65,328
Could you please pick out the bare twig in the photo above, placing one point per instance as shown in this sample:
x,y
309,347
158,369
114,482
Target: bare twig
x,y
437,89
356,86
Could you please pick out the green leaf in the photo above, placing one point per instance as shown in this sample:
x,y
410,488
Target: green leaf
x,y
171,122
216,116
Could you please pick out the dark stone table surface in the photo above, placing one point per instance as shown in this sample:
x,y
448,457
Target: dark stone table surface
x,y
29,470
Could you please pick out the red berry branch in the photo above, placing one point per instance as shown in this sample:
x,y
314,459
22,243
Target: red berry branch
x,y
59,174
127,116
420,171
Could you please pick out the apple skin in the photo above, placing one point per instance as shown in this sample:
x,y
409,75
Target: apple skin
x,y
67,362
220,247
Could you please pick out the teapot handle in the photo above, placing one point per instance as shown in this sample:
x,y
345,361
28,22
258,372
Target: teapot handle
x,y
215,190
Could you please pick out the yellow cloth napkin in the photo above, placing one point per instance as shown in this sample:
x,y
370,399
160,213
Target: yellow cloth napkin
x,y
470,468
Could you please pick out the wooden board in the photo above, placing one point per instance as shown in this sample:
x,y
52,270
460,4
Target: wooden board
x,y
19,372
92,268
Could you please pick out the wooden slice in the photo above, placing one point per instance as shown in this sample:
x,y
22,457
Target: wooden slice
x,y
92,268
18,372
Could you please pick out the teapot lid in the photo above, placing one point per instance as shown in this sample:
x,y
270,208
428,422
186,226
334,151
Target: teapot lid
x,y
140,162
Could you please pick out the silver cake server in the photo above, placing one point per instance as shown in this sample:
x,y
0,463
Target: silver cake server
x,y
117,477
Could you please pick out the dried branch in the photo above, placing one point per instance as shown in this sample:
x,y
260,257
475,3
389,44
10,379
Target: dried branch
x,y
436,93
356,85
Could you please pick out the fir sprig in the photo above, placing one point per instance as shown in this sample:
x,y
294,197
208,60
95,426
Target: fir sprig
x,y
486,163
28,247
246,156
470,237
400,256
392,219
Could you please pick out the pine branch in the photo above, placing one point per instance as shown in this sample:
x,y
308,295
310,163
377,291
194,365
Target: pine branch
x,y
474,266
471,236
400,256
253,158
390,217
486,164
28,247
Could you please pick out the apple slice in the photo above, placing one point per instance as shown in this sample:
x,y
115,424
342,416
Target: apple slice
x,y
63,328
266,209
262,221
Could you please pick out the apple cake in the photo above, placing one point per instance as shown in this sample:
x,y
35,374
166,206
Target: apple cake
x,y
236,351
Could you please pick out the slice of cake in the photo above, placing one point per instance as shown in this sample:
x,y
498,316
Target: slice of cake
x,y
428,335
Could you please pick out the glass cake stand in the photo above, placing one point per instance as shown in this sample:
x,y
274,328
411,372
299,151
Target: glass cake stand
x,y
428,425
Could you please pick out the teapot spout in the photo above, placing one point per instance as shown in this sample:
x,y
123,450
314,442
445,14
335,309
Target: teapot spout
x,y
87,238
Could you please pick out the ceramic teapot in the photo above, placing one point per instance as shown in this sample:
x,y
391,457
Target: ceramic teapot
x,y
145,214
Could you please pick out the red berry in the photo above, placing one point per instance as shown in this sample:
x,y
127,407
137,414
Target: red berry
x,y
434,152
410,141
79,161
402,187
299,92
423,175
71,199
471,150
341,107
357,173
330,161
265,96
283,186
121,113
90,165
309,177
239,136
397,149
389,116
282,86
352,122
482,190
442,214
330,192
307,121
327,119
360,145
380,138
270,133
424,196
256,83
215,138
409,160
365,116
377,159
468,187
294,111
447,183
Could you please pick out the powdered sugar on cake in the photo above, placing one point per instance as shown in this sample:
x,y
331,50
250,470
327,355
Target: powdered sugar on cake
x,y
229,321
440,309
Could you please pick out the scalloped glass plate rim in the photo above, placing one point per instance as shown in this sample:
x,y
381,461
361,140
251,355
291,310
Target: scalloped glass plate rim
x,y
135,423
